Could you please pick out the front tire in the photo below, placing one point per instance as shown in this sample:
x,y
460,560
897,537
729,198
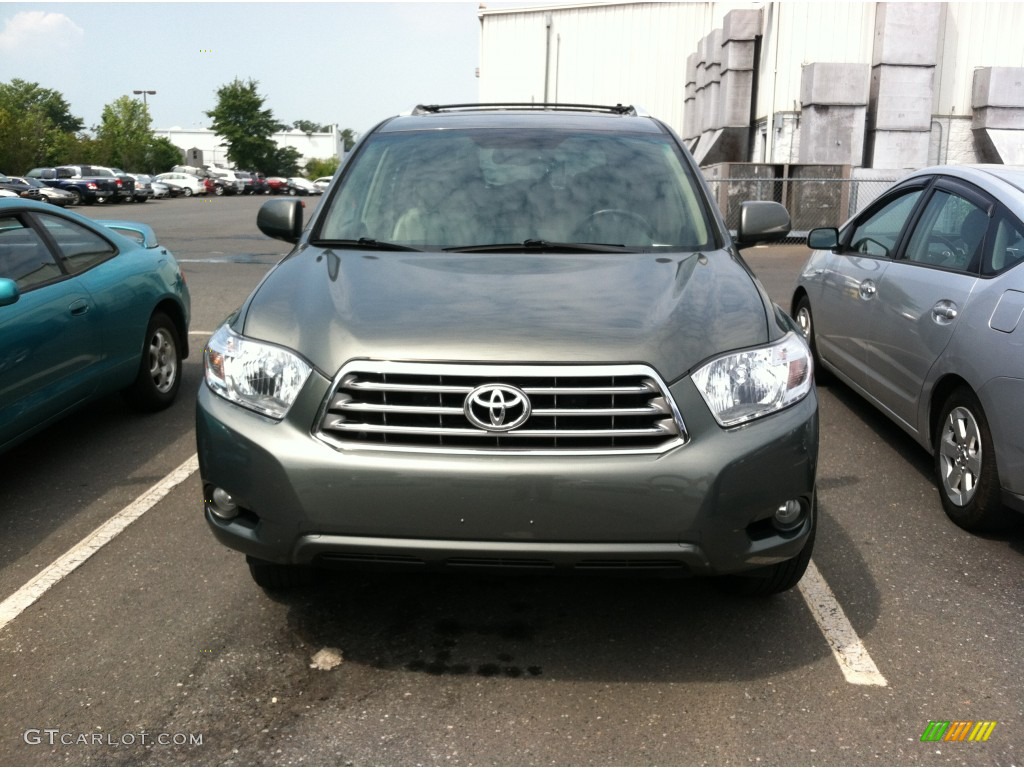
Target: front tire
x,y
274,577
965,465
159,378
186,192
773,579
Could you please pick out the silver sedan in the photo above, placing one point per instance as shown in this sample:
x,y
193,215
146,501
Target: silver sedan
x,y
917,303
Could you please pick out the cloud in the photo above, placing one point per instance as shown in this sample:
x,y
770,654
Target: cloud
x,y
32,31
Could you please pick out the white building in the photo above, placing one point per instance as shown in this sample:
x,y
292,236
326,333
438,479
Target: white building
x,y
873,85
201,146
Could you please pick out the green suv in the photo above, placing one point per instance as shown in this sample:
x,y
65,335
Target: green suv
x,y
513,336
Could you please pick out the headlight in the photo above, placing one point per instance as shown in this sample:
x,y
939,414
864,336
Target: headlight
x,y
755,383
253,374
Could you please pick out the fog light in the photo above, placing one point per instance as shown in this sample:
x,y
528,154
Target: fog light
x,y
789,515
222,504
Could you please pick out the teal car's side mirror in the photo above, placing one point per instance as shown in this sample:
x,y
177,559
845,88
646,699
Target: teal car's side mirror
x,y
9,292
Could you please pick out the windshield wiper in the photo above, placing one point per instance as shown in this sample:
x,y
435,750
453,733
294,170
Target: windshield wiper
x,y
365,242
544,245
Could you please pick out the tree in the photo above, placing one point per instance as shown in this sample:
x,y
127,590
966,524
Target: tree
x,y
163,155
349,137
318,167
245,125
308,126
125,135
36,126
284,161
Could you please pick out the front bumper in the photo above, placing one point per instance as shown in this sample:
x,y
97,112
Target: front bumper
x,y
704,507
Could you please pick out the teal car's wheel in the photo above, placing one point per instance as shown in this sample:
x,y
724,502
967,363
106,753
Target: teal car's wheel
x,y
159,377
965,465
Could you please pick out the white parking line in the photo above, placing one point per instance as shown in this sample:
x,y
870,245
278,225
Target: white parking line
x,y
12,607
850,653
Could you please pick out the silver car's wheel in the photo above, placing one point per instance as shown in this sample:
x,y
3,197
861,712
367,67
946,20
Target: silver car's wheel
x,y
805,321
186,191
965,464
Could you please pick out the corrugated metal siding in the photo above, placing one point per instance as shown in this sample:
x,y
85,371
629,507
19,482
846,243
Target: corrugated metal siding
x,y
840,33
975,35
630,53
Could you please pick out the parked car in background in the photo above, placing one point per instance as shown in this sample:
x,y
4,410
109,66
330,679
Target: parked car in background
x,y
123,185
47,193
233,184
143,186
19,187
260,186
247,181
8,193
323,182
85,190
917,304
160,190
186,183
277,185
300,186
85,310
537,347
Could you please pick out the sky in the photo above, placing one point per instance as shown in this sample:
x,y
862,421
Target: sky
x,y
346,63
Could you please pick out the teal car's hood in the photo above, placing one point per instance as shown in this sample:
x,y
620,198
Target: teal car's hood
x,y
671,311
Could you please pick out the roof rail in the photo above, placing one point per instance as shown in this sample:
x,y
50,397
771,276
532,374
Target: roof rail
x,y
433,109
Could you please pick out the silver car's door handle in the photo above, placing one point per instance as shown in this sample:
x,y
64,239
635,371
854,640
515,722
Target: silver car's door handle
x,y
945,310
868,289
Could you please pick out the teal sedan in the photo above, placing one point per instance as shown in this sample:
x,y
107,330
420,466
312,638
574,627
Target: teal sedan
x,y
87,309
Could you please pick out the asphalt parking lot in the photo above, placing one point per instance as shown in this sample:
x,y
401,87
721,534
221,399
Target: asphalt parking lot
x,y
159,649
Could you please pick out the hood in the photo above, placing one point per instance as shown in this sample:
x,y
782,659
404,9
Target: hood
x,y
670,311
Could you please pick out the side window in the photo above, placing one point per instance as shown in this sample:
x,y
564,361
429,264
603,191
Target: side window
x,y
878,233
24,258
950,234
81,248
1007,247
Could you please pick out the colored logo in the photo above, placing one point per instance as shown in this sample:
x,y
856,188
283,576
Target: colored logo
x,y
958,730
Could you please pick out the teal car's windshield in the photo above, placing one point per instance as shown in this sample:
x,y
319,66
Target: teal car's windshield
x,y
459,189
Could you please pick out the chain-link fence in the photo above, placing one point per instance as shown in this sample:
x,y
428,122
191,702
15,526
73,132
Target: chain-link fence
x,y
811,202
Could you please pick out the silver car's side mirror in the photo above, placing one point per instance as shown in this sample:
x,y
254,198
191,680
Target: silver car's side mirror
x,y
823,239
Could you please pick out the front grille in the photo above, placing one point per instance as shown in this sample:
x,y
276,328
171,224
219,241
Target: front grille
x,y
573,409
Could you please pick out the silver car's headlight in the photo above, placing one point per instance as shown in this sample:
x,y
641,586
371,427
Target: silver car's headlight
x,y
254,374
754,383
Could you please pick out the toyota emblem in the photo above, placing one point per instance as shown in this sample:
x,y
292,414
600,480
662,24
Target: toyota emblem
x,y
497,407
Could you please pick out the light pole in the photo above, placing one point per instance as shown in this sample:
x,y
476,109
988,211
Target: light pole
x,y
144,94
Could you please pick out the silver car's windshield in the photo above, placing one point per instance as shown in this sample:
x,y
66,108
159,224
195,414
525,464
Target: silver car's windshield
x,y
457,189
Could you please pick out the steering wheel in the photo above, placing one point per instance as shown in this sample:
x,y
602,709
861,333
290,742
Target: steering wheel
x,y
602,224
955,253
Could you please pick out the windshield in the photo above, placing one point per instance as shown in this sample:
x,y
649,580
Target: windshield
x,y
464,188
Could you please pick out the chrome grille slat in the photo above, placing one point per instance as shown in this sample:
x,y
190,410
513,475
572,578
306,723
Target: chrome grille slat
x,y
575,409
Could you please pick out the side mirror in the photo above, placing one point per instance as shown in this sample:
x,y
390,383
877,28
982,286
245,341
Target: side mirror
x,y
281,220
9,292
823,239
762,221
